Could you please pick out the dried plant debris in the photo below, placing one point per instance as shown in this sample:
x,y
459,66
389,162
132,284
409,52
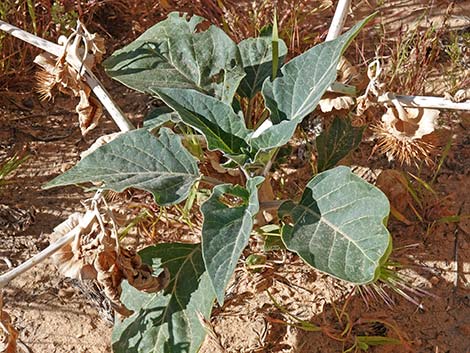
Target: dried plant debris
x,y
395,185
216,162
346,73
404,135
8,334
332,101
14,220
95,254
57,74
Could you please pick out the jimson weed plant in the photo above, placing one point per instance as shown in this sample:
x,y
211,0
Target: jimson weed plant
x,y
339,224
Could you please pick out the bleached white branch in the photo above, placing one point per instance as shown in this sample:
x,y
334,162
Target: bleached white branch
x,y
108,103
57,50
47,252
425,102
337,23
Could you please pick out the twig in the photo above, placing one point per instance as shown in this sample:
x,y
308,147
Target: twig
x,y
337,22
57,50
114,111
51,249
425,102
456,257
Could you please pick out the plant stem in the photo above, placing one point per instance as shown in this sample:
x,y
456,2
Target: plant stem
x,y
51,249
337,22
114,111
57,50
425,102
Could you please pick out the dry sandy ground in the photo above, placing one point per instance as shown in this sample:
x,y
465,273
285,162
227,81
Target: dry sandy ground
x,y
53,315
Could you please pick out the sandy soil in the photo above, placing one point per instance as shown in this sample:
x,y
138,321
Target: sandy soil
x,y
52,314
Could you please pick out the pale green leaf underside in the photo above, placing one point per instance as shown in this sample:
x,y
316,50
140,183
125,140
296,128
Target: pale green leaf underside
x,y
222,128
173,53
338,226
167,322
140,160
257,58
226,230
299,88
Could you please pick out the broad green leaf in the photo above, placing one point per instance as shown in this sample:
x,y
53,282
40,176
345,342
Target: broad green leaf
x,y
159,117
275,136
167,321
175,53
226,230
299,88
222,128
257,56
339,226
335,143
139,160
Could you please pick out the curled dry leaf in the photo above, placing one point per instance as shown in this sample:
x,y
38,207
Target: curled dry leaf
x,y
95,254
73,260
215,160
8,334
404,136
57,73
138,274
461,95
331,100
347,73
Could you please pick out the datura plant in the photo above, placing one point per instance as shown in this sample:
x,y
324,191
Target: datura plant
x,y
205,79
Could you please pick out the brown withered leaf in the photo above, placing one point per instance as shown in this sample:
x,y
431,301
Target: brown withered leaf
x,y
95,254
395,186
214,158
332,101
138,274
417,123
266,193
8,334
346,72
73,260
95,45
337,101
